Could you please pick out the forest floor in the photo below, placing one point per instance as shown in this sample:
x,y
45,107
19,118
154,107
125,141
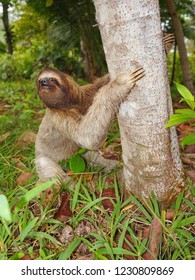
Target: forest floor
x,y
48,221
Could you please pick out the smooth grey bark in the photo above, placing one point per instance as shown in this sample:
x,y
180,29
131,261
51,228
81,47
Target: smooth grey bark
x,y
131,35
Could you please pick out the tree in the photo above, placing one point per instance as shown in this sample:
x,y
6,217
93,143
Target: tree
x,y
131,35
8,34
76,19
179,35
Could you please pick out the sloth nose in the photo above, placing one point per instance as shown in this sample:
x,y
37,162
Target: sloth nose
x,y
44,82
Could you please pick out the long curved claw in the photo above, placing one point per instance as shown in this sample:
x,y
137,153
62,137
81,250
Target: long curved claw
x,y
169,39
137,74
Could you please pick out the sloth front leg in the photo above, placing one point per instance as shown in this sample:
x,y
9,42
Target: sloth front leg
x,y
48,168
50,148
93,127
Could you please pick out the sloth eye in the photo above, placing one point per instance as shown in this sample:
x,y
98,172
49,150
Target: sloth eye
x,y
52,80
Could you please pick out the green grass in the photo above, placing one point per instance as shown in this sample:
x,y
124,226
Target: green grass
x,y
27,224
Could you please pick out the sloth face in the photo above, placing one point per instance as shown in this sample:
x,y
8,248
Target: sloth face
x,y
54,89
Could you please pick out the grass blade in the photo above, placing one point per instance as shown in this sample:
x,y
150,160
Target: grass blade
x,y
141,207
90,205
43,235
27,229
76,194
179,201
33,193
186,222
66,254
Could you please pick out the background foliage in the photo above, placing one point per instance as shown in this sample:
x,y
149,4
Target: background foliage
x,y
64,34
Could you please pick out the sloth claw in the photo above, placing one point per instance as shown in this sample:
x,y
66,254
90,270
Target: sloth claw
x,y
169,39
137,74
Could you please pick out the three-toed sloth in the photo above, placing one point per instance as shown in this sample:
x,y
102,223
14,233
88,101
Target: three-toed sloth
x,y
76,116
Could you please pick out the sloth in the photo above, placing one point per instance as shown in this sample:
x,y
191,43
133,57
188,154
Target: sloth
x,y
79,116
76,117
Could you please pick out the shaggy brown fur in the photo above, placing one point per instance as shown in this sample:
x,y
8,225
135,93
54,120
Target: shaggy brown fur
x,y
76,116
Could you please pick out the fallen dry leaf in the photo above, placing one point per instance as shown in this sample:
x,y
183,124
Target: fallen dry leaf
x,y
67,234
109,181
4,106
82,252
85,176
191,174
111,151
110,155
21,165
27,138
63,211
170,215
85,257
190,149
155,239
146,232
26,257
49,194
107,203
4,136
126,246
84,228
186,160
23,178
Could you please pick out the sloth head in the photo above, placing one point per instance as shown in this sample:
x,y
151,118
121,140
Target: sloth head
x,y
56,89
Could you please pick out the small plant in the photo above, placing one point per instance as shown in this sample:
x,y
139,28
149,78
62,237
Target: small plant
x,y
76,163
183,115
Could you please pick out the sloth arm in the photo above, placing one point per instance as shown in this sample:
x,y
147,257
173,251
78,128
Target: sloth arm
x,y
92,128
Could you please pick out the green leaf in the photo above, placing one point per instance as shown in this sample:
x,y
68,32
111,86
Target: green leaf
x,y
77,164
184,92
178,118
33,193
141,208
188,140
155,204
186,221
176,222
17,256
179,201
43,235
26,114
122,235
190,103
81,151
185,112
75,196
90,205
109,250
5,212
186,234
48,3
191,204
27,229
121,251
66,254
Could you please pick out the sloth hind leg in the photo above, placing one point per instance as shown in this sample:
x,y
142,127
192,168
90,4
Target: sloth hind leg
x,y
94,158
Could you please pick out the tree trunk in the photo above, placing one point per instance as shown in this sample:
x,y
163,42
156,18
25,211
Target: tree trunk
x,y
8,35
91,67
173,65
179,36
131,35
